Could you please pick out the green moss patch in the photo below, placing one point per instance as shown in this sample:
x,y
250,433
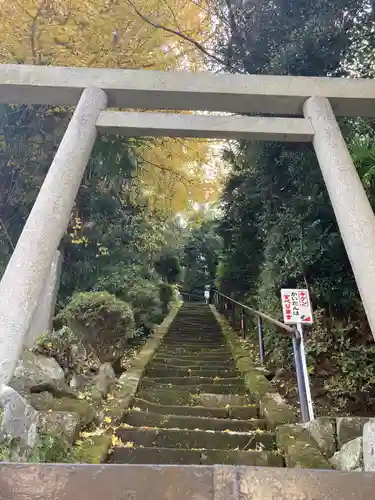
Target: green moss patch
x,y
93,450
299,448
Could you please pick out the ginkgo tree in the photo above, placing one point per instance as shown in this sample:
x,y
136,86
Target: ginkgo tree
x,y
165,35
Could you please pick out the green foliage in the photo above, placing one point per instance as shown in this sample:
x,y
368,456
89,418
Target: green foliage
x,y
90,308
57,340
27,147
341,361
278,226
166,292
102,321
202,251
58,345
138,286
49,449
168,266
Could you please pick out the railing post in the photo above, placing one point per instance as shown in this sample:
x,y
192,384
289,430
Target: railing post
x,y
28,268
307,411
243,322
233,314
260,340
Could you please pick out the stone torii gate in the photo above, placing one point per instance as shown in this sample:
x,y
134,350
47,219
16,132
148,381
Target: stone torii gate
x,y
309,104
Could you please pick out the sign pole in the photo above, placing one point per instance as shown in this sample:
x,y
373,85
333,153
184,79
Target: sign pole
x,y
297,311
305,373
299,375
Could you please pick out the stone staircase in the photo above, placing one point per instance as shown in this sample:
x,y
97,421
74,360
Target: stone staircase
x,y
191,406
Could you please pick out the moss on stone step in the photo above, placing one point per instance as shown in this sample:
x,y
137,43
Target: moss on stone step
x,y
194,380
166,350
245,365
222,400
238,412
165,456
139,418
193,439
195,361
209,347
257,385
149,384
167,371
236,457
299,448
171,456
93,450
276,411
167,397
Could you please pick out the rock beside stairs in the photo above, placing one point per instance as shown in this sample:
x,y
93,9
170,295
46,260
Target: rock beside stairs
x,y
35,373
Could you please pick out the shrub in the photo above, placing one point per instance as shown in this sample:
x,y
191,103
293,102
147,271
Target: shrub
x,y
66,348
58,345
102,321
166,293
138,288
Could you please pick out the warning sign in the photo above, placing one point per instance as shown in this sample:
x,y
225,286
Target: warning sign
x,y
296,306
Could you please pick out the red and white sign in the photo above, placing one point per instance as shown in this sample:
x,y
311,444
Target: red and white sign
x,y
296,306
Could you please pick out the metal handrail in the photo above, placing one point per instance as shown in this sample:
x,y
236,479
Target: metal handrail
x,y
296,334
192,295
265,316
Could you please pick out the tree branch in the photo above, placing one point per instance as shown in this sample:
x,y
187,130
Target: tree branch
x,y
177,33
210,12
7,234
165,169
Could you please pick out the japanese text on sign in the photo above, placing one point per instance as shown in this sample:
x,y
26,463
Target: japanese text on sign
x,y
296,306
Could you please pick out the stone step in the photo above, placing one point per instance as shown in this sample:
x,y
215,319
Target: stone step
x,y
208,349
196,328
166,371
219,400
149,384
197,344
165,456
204,322
157,363
238,457
194,362
160,456
190,336
198,323
167,397
215,353
194,355
147,419
236,381
193,439
202,333
234,412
